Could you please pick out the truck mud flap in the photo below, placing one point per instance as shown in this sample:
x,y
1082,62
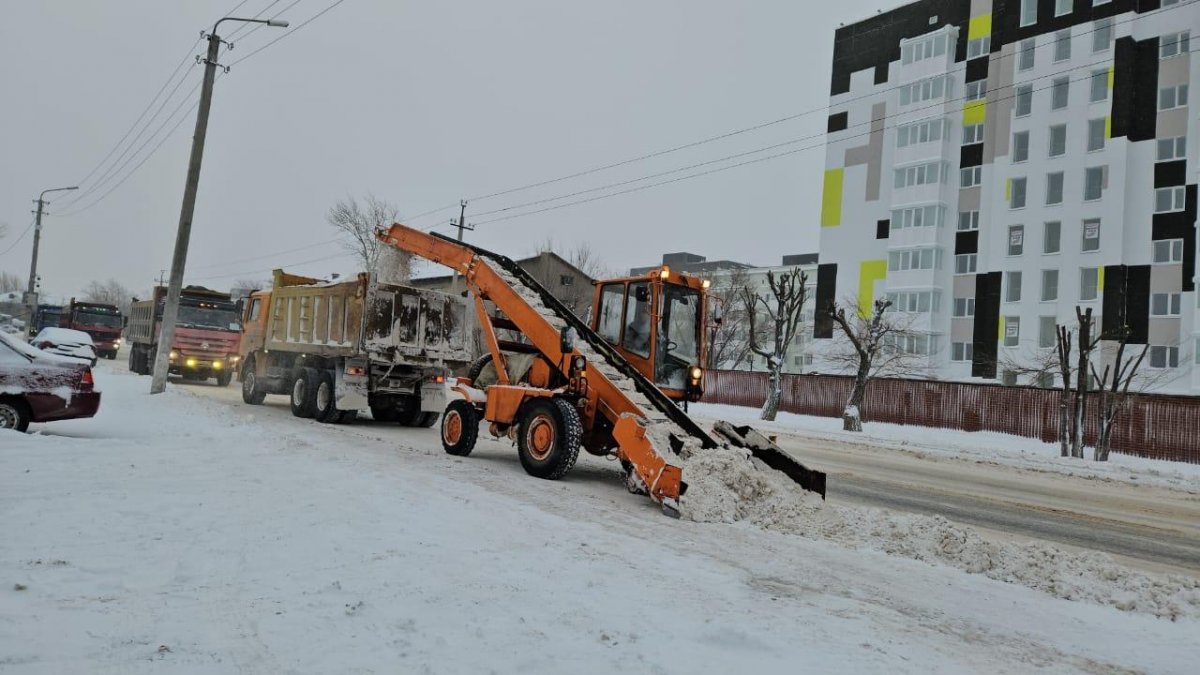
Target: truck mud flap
x,y
772,455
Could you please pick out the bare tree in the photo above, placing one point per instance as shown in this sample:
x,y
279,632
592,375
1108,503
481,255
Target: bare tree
x,y
1062,360
252,284
783,311
1114,390
356,224
578,295
728,336
875,349
10,282
1086,345
111,292
1055,365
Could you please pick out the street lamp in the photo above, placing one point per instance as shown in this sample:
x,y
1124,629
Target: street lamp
x,y
166,335
31,291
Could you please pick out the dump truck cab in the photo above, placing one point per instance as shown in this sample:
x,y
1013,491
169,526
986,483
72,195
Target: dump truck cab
x,y
656,322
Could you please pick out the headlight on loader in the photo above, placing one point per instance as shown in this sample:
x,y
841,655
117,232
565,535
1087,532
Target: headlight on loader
x,y
696,373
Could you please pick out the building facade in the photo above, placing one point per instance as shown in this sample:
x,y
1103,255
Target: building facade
x,y
571,285
993,164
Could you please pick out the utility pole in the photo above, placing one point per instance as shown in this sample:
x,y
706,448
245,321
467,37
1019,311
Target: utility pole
x,y
462,225
161,278
166,335
31,291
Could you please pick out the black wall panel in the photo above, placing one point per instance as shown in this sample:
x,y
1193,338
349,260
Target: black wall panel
x,y
987,325
826,294
966,242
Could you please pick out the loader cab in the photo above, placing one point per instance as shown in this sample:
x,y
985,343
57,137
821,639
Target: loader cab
x,y
655,321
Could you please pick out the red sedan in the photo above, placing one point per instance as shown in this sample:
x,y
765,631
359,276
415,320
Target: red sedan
x,y
37,386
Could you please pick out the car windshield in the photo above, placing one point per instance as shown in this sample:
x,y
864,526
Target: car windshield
x,y
678,335
97,319
204,317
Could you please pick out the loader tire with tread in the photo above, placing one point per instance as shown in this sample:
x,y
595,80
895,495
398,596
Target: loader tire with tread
x,y
477,366
325,399
304,389
549,438
252,394
460,428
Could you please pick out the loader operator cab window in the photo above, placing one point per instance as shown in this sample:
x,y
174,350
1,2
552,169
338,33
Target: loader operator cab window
x,y
678,336
637,319
608,318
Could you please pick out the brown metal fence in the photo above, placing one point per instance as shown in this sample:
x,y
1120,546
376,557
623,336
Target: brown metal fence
x,y
1159,427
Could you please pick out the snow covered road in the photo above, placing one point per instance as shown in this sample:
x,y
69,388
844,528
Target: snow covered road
x,y
183,534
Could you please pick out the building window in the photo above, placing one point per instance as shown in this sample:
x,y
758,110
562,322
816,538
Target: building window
x,y
1058,140
913,259
1062,7
918,216
976,90
924,48
1020,147
1102,35
1028,12
1170,149
1168,251
964,263
1025,54
972,134
1016,239
1099,85
1049,285
1052,237
566,280
1024,104
1174,44
1012,331
1093,183
920,132
1054,188
1164,357
921,174
970,176
962,351
1017,193
915,302
1091,235
1089,281
968,220
920,344
1170,98
1012,286
1169,199
1097,130
1047,331
964,307
979,47
925,90
1060,88
1165,304
1062,45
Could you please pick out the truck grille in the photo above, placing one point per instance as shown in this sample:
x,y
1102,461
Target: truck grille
x,y
209,344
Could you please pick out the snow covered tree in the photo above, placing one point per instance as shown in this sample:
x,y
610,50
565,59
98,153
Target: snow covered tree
x,y
10,282
356,224
782,311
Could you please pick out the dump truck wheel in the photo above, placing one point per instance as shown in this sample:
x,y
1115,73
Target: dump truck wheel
x,y
14,414
549,438
304,390
428,419
251,393
224,378
325,399
460,428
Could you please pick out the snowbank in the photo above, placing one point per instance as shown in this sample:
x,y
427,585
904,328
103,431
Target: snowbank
x,y
982,446
727,486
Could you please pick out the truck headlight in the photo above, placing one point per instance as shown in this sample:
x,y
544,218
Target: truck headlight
x,y
172,355
190,363
234,358
217,365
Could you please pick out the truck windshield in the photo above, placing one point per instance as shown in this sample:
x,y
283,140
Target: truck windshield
x,y
678,336
98,320
203,317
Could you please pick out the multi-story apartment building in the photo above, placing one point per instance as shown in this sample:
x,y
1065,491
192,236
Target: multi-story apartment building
x,y
993,164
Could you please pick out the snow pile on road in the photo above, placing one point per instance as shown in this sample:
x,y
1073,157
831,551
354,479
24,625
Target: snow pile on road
x,y
727,485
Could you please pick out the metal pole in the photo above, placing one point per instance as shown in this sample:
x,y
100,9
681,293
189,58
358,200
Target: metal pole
x,y
37,239
166,335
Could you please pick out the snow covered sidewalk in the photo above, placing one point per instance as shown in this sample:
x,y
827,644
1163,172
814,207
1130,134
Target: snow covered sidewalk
x,y
983,446
178,534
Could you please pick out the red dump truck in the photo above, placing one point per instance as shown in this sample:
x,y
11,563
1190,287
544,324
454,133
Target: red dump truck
x,y
208,335
102,322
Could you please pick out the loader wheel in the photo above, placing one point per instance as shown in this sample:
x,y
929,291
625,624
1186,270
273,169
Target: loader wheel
x,y
325,400
304,391
460,428
477,366
251,393
549,438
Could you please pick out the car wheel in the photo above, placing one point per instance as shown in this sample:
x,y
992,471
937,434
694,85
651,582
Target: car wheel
x,y
14,414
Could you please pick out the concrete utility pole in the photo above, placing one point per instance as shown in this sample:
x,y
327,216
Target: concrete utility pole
x,y
31,291
462,225
166,336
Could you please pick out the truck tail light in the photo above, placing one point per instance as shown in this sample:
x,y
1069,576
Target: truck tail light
x,y
356,370
87,381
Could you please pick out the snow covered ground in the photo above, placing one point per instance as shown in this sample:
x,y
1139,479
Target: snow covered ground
x,y
983,446
179,534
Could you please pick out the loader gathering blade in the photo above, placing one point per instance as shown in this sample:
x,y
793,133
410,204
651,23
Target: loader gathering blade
x,y
772,455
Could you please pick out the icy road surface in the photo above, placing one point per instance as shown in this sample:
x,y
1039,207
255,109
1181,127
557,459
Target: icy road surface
x,y
182,534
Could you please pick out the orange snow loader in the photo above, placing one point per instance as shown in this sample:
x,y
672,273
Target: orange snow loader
x,y
561,386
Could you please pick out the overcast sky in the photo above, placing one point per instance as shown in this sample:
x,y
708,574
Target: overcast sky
x,y
421,104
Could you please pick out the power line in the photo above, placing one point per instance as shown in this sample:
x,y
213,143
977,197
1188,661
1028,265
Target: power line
x,y
259,26
18,239
298,27
244,26
265,255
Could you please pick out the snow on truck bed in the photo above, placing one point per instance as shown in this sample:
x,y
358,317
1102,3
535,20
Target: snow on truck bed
x,y
179,534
